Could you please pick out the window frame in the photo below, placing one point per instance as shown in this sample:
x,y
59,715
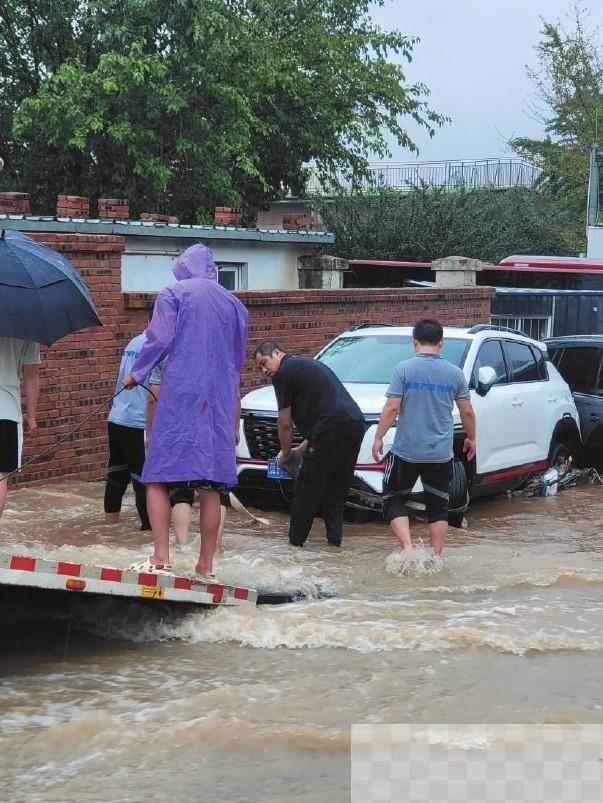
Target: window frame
x,y
598,371
504,319
473,379
513,381
240,271
541,361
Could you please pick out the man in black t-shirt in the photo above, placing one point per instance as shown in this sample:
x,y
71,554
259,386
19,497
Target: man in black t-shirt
x,y
332,425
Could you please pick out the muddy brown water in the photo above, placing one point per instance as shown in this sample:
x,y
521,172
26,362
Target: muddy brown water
x,y
120,701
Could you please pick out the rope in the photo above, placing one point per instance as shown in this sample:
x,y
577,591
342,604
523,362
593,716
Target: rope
x,y
65,437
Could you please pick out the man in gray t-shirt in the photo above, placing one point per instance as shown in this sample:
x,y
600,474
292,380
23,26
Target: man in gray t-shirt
x,y
421,394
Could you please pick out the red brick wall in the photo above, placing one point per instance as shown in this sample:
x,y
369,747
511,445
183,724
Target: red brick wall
x,y
79,371
304,321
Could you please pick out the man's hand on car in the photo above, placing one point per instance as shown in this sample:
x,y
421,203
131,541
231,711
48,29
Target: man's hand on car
x,y
469,448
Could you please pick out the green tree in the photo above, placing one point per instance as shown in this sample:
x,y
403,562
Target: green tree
x,y
569,86
220,101
426,224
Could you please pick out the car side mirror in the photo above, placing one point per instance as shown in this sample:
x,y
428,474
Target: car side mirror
x,y
486,377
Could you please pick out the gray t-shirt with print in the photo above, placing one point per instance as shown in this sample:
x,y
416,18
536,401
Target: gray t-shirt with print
x,y
428,386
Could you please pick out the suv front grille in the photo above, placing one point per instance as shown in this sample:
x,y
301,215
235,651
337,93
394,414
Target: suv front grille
x,y
261,435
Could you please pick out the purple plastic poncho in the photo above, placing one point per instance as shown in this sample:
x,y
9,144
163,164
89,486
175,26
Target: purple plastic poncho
x,y
202,328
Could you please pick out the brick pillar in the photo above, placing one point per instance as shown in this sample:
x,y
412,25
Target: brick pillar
x,y
73,206
14,203
321,272
114,208
456,271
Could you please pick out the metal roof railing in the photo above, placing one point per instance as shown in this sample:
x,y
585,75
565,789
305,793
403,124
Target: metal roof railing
x,y
452,174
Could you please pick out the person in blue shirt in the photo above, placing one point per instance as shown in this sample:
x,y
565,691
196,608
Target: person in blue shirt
x,y
421,395
126,425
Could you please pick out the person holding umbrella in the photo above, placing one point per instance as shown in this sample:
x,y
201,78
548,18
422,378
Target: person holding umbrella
x,y
16,356
42,298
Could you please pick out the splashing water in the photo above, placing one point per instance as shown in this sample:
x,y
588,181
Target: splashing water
x,y
421,561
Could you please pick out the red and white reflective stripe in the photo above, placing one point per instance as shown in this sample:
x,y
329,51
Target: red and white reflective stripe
x,y
495,476
110,575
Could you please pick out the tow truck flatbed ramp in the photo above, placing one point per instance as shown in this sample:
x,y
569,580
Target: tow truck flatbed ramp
x,y
32,572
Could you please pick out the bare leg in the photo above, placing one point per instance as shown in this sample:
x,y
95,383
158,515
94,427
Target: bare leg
x,y
111,518
437,534
3,492
401,527
158,504
181,519
221,528
209,524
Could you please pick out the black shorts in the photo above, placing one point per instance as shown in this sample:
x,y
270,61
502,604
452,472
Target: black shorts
x,y
9,446
185,491
399,479
126,450
180,494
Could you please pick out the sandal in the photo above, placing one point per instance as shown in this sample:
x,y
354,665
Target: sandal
x,y
147,567
205,577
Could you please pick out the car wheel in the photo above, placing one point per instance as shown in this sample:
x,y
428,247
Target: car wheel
x,y
459,494
459,487
562,448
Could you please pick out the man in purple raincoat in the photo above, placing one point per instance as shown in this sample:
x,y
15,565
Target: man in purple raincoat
x,y
201,330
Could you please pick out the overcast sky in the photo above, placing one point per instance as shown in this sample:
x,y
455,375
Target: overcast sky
x,y
473,56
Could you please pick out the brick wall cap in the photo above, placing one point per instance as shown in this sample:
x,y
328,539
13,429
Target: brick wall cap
x,y
456,263
322,262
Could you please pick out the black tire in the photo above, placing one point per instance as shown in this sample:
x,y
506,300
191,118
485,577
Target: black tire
x,y
269,597
459,494
562,448
459,487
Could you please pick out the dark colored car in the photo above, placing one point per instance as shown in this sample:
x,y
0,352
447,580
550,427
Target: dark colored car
x,y
579,360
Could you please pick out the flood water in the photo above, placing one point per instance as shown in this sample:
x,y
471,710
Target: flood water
x,y
120,701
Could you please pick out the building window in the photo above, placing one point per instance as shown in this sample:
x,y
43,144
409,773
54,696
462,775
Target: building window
x,y
232,275
536,326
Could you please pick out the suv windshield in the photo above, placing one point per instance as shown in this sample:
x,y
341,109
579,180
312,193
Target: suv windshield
x,y
371,358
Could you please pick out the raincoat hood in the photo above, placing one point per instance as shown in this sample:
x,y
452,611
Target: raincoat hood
x,y
197,262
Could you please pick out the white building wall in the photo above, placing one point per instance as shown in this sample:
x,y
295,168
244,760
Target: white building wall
x,y
594,247
270,265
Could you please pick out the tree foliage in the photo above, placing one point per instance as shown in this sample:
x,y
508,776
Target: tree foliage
x,y
569,86
220,101
425,224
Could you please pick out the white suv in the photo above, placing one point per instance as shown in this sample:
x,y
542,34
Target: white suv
x,y
526,416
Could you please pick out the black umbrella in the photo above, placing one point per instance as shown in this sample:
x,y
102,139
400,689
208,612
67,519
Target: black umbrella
x,y
42,296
